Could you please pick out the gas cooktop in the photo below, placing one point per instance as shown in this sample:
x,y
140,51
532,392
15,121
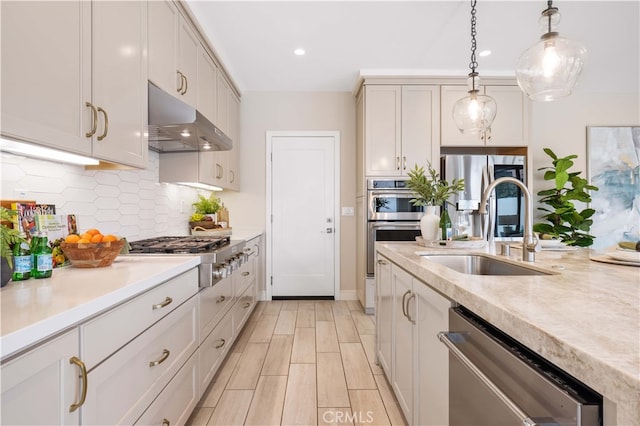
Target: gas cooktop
x,y
179,244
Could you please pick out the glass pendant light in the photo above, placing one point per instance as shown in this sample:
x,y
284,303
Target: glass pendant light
x,y
549,69
474,113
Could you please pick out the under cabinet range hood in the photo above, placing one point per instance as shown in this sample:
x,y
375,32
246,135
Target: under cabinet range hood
x,y
175,126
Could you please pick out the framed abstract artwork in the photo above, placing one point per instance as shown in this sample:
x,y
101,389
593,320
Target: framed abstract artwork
x,y
613,155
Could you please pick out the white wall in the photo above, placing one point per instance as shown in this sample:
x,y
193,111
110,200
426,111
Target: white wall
x,y
128,203
263,111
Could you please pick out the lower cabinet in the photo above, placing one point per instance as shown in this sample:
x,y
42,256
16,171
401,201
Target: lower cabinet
x,y
213,350
41,386
409,316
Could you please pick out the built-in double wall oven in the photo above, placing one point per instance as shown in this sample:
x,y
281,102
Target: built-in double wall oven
x,y
390,215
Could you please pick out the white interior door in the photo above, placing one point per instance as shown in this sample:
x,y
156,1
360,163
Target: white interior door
x,y
303,218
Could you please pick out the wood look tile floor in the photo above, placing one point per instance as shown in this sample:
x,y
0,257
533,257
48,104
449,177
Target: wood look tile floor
x,y
301,363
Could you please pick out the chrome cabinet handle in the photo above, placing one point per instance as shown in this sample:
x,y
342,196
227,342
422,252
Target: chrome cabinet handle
x,y
186,85
83,376
382,262
166,422
413,295
179,90
397,163
162,304
219,171
222,343
404,163
244,274
163,358
221,299
445,338
106,124
94,121
233,176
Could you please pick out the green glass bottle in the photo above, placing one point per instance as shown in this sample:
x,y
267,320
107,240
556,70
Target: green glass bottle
x,y
42,258
21,261
445,224
35,238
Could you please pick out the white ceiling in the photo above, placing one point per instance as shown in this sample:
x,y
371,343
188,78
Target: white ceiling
x,y
255,40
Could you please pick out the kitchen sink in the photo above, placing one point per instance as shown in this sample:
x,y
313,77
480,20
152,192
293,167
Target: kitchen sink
x,y
476,264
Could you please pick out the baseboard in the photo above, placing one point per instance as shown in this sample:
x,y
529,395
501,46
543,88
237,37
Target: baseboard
x,y
348,295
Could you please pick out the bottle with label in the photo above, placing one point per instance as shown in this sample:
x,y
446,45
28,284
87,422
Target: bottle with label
x,y
21,261
445,223
42,258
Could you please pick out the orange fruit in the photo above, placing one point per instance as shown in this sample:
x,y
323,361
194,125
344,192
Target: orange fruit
x,y
86,236
72,238
93,231
83,241
97,238
108,238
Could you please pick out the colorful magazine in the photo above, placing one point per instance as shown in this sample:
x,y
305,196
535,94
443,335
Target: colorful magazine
x,y
26,215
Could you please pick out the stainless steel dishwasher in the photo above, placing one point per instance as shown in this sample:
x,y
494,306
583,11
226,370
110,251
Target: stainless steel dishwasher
x,y
494,381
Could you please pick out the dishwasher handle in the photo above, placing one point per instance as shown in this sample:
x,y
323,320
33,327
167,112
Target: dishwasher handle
x,y
446,338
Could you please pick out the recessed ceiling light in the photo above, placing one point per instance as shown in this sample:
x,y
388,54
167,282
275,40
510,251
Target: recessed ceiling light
x,y
484,53
299,52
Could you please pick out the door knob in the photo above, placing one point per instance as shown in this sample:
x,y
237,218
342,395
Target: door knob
x,y
329,230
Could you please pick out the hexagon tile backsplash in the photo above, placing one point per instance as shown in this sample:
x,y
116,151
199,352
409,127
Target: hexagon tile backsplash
x,y
129,203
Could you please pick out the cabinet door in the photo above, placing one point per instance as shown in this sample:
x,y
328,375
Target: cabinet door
x,y
419,125
432,361
511,126
384,314
222,99
188,45
206,94
403,329
120,81
382,130
163,39
449,133
233,172
46,72
39,387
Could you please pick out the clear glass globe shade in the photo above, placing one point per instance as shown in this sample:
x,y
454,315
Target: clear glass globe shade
x,y
475,113
550,68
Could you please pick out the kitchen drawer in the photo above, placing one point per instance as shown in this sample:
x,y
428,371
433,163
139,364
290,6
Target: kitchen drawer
x,y
107,333
122,387
177,400
214,303
243,277
213,350
243,307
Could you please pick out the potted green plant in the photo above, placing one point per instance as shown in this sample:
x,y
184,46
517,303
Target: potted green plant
x,y
205,212
8,237
431,191
563,220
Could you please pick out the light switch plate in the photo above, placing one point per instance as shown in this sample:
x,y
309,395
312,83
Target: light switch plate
x,y
347,211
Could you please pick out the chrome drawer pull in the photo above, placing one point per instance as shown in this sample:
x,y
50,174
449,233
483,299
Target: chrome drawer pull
x,y
83,375
166,301
246,305
221,299
244,274
381,262
94,121
163,358
221,344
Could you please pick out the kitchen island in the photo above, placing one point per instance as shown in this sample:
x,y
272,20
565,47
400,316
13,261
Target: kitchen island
x,y
584,316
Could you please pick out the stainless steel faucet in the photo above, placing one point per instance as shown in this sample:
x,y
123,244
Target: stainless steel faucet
x,y
529,240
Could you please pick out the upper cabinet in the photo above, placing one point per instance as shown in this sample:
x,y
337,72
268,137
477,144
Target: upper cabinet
x,y
511,125
82,85
206,95
187,72
401,125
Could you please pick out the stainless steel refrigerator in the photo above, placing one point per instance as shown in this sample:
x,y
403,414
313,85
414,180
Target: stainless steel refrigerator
x,y
505,220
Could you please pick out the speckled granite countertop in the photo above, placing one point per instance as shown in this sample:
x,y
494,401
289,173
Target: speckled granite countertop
x,y
585,318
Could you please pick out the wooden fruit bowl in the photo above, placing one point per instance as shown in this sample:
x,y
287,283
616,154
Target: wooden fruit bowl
x,y
92,255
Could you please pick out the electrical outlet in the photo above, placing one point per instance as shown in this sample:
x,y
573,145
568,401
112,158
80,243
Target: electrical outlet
x,y
347,211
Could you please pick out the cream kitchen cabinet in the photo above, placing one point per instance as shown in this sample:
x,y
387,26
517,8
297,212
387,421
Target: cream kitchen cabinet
x,y
384,314
233,174
43,386
173,52
206,98
74,77
419,363
401,127
511,125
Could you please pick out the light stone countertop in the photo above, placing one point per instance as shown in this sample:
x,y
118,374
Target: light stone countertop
x,y
35,309
585,318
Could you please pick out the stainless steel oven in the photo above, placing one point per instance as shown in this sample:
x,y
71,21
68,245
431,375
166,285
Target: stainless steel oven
x,y
390,215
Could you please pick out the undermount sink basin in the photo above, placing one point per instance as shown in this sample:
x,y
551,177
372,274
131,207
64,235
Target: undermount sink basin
x,y
475,264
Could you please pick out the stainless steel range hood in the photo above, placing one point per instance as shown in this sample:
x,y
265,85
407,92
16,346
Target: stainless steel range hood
x,y
175,126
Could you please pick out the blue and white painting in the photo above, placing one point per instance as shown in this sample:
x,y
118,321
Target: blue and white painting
x,y
614,167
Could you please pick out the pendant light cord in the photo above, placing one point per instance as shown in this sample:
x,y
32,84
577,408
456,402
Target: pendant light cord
x,y
474,63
